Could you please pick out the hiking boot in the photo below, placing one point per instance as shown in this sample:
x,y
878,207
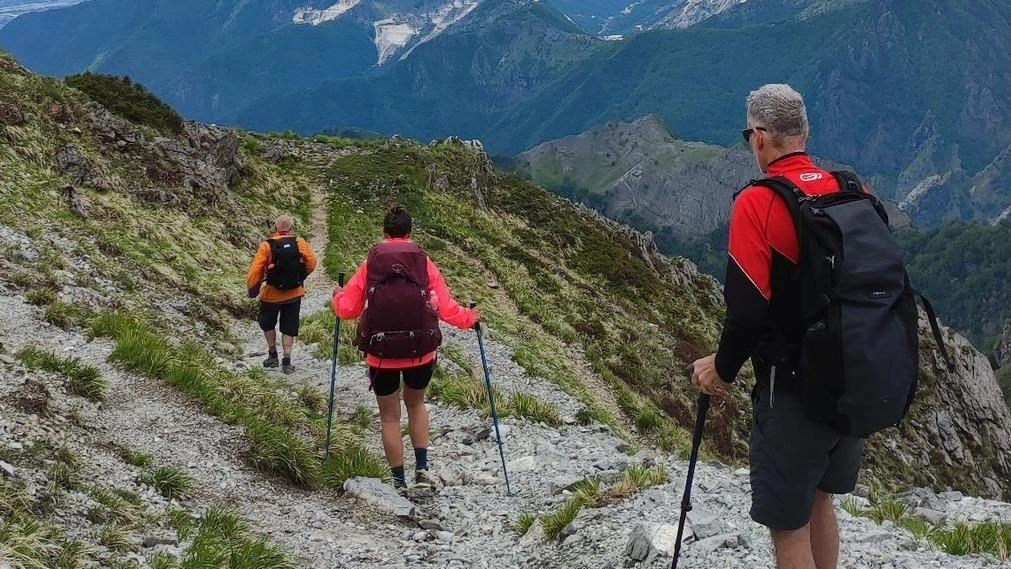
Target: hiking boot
x,y
271,361
286,367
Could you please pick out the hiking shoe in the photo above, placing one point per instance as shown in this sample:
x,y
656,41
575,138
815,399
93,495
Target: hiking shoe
x,y
425,476
271,361
288,368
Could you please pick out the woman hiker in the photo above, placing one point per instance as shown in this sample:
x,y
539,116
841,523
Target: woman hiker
x,y
400,296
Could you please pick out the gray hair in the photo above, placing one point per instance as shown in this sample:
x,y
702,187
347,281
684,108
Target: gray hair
x,y
780,110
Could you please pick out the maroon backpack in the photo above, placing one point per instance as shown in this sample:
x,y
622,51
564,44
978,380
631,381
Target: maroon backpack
x,y
398,321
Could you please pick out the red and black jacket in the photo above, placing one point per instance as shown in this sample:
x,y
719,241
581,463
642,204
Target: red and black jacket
x,y
761,293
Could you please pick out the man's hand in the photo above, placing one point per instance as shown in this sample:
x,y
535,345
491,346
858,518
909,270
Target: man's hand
x,y
337,289
707,379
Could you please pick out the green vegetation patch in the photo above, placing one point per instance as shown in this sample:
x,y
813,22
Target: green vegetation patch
x,y
128,99
81,379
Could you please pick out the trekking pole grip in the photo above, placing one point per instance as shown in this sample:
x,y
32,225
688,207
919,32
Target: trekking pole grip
x,y
477,325
340,279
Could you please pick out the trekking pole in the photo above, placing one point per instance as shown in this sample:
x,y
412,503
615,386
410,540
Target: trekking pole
x,y
686,498
333,372
491,399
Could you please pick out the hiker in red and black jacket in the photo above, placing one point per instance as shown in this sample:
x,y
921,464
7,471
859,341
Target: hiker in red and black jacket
x,y
796,463
401,296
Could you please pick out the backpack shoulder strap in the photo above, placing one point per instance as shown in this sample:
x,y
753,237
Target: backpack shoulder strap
x,y
848,181
787,191
936,330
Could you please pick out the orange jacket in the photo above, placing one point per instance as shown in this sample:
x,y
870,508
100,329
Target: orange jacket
x,y
350,302
258,272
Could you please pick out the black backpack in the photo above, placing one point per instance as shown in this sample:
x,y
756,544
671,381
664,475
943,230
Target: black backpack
x,y
289,270
859,355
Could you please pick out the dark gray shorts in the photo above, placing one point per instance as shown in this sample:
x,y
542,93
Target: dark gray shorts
x,y
791,457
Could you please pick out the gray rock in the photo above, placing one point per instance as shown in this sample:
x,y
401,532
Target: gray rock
x,y
431,525
534,535
873,536
525,464
711,544
156,540
705,524
932,516
383,496
4,358
563,484
11,115
7,470
444,536
650,541
75,165
953,496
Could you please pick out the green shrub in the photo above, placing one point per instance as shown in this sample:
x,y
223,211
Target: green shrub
x,y
41,296
66,314
128,99
139,459
526,406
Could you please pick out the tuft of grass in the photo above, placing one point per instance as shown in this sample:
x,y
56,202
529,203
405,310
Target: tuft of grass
x,y
555,522
223,540
362,416
920,528
27,542
67,315
524,522
527,406
853,507
351,462
889,509
170,481
282,452
117,538
64,475
992,538
73,555
81,379
163,560
634,479
138,459
113,507
312,399
182,522
41,296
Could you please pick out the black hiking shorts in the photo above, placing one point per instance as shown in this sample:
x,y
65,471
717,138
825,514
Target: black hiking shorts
x,y
287,313
792,457
387,381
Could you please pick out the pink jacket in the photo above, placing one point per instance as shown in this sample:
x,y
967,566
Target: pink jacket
x,y
349,304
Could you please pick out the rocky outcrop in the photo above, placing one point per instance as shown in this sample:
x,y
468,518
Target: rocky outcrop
x,y
1002,351
75,165
11,115
958,432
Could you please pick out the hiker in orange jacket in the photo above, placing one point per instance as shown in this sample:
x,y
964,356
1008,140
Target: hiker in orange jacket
x,y
412,354
276,275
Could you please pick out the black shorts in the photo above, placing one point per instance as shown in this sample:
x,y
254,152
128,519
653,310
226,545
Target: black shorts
x,y
387,381
791,457
288,313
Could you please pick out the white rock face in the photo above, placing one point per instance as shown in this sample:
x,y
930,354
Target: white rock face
x,y
391,37
695,11
317,17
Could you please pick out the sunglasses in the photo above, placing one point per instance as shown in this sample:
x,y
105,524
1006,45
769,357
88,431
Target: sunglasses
x,y
746,133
